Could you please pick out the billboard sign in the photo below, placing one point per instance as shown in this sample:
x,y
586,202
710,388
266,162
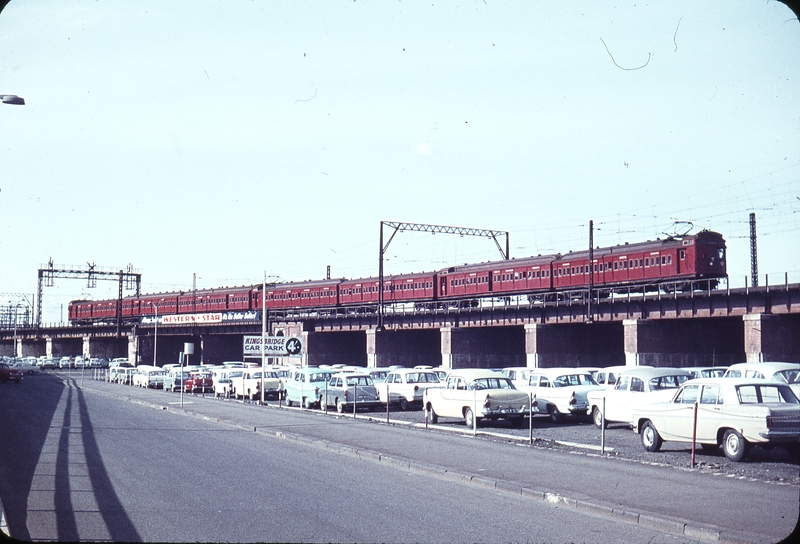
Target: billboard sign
x,y
275,346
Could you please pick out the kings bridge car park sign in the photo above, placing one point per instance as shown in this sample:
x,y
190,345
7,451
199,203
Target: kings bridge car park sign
x,y
275,346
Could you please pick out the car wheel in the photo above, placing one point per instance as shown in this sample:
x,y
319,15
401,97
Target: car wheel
x,y
403,403
307,403
651,440
339,406
30,373
555,415
288,402
734,445
469,418
597,417
434,417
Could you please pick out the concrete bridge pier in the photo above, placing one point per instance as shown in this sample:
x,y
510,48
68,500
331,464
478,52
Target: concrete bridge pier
x,y
573,345
770,337
63,347
482,347
408,348
683,342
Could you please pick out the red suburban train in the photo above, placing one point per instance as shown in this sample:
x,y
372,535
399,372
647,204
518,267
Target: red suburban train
x,y
693,257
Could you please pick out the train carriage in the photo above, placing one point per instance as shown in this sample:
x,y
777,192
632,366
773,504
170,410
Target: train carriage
x,y
673,260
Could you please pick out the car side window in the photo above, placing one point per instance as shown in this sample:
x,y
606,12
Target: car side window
x,y
544,382
711,395
688,395
637,385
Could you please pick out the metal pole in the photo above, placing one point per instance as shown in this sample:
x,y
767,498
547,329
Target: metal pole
x,y
264,337
591,271
530,418
603,428
355,396
694,432
388,398
474,411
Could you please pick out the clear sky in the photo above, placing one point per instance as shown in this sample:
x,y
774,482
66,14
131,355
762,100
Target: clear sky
x,y
229,139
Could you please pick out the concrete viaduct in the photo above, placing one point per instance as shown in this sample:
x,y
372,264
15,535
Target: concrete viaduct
x,y
712,328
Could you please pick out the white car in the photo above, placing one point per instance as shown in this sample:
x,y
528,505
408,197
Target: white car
x,y
475,394
788,373
735,413
26,367
607,377
634,387
705,371
150,376
560,391
406,386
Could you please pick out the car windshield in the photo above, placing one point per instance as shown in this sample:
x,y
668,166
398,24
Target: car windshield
x,y
359,380
787,376
491,383
759,393
667,382
319,377
573,379
422,377
273,375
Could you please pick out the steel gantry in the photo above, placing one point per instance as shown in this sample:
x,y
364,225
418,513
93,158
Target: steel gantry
x,y
129,278
433,229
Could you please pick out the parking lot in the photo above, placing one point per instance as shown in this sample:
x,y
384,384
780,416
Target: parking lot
x,y
572,436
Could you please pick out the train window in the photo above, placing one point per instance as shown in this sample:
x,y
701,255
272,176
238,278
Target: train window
x,y
682,254
669,259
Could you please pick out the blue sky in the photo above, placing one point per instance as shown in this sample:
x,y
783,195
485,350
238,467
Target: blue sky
x,y
233,139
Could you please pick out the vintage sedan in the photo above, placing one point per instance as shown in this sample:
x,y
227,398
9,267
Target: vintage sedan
x,y
560,391
9,374
788,373
27,368
174,378
705,371
476,394
350,390
198,382
736,413
406,386
306,386
634,387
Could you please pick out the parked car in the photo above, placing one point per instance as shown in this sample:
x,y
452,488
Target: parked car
x,y
477,393
9,373
151,376
65,362
124,375
251,381
378,375
705,371
607,377
26,367
174,378
221,381
633,388
406,386
306,386
198,382
47,364
518,374
736,413
560,391
788,373
349,390
111,375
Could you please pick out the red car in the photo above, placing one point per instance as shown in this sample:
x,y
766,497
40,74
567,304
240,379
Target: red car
x,y
7,374
198,382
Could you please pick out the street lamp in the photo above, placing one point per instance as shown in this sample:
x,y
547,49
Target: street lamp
x,y
12,99
155,335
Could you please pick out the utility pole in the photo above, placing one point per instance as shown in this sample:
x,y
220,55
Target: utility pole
x,y
753,252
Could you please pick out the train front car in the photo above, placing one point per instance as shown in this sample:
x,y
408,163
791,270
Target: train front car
x,y
706,251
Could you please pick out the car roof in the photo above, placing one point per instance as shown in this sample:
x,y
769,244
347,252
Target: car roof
x,y
622,368
654,372
473,373
559,370
768,366
411,370
732,381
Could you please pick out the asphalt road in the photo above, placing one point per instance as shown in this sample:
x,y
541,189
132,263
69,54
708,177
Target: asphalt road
x,y
99,463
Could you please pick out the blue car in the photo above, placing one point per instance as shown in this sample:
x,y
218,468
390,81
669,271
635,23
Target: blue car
x,y
306,386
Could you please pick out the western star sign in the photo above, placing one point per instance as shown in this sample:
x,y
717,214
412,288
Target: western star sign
x,y
274,346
